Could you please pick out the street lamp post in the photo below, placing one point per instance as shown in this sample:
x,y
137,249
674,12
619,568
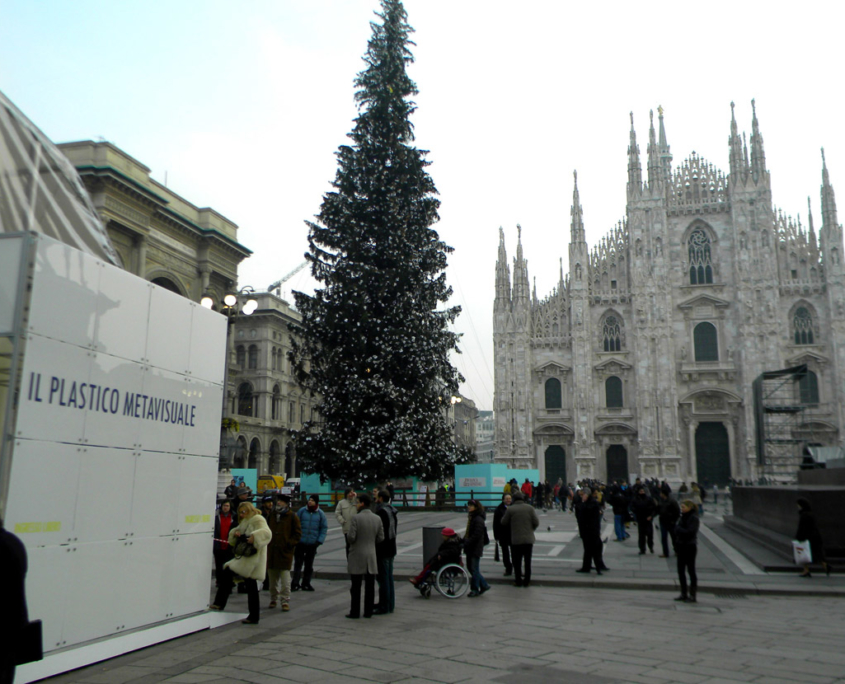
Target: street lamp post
x,y
235,304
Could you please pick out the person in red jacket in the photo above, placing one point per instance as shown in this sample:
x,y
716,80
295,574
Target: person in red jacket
x,y
527,489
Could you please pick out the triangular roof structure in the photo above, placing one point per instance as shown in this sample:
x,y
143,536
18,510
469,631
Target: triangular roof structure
x,y
41,191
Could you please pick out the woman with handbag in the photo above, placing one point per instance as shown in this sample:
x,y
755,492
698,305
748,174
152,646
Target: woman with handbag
x,y
808,531
249,542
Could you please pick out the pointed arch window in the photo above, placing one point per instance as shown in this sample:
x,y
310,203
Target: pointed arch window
x,y
700,264
612,334
613,392
802,324
706,342
553,394
808,388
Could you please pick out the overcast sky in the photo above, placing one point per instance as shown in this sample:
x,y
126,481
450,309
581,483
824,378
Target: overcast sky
x,y
243,105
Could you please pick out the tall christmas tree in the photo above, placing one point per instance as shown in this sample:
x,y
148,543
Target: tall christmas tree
x,y
374,346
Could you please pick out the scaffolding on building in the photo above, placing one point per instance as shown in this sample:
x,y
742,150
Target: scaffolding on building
x,y
780,423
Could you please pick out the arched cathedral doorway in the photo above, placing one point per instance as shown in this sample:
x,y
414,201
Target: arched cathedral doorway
x,y
555,463
617,463
712,453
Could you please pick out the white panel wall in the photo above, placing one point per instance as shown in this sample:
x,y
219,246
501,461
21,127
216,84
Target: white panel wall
x,y
114,470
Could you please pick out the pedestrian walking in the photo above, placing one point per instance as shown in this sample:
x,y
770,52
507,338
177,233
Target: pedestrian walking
x,y
588,515
365,531
686,548
502,535
619,503
474,541
314,526
249,565
808,531
287,531
232,490
669,512
344,512
386,553
223,523
698,498
644,510
522,520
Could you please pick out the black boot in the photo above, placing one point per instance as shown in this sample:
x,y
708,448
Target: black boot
x,y
692,595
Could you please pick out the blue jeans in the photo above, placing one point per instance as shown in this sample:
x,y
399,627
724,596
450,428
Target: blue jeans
x,y
386,591
477,582
619,527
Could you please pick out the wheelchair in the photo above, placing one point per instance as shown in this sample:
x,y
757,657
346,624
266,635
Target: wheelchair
x,y
451,581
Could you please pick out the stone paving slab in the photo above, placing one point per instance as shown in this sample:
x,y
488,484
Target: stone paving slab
x,y
538,635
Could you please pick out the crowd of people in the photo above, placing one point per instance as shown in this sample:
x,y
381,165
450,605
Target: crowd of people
x,y
276,546
639,504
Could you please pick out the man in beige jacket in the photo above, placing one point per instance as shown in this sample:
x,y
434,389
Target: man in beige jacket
x,y
346,510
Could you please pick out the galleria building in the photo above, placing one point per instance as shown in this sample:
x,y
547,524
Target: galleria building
x,y
641,360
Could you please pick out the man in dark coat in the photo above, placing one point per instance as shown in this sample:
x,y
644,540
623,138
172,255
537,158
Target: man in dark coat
x,y
588,514
644,510
287,531
13,567
670,511
385,553
503,534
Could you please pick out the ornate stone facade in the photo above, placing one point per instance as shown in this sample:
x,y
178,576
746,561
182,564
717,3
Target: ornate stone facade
x,y
265,402
641,360
159,235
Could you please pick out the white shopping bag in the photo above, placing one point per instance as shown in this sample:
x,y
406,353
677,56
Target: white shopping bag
x,y
802,553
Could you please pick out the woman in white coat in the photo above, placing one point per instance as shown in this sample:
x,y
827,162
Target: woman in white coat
x,y
249,568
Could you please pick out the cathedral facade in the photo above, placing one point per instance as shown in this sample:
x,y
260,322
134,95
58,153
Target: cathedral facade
x,y
641,361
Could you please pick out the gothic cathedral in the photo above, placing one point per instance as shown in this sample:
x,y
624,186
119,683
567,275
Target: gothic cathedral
x,y
641,360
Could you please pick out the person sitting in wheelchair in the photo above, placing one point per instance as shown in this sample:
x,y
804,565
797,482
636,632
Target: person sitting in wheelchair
x,y
449,552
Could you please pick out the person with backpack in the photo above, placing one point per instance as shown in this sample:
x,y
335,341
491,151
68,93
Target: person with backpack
x,y
475,540
385,553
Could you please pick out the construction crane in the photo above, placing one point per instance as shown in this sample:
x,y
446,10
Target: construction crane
x,y
278,284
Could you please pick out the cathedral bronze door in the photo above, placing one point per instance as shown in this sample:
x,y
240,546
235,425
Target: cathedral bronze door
x,y
712,453
617,463
555,464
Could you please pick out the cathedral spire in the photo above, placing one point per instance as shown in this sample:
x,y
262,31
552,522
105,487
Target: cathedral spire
x,y
812,230
829,220
503,277
654,175
577,226
635,171
758,156
744,152
738,169
665,153
520,274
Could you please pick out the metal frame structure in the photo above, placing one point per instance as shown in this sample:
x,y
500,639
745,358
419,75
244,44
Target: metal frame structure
x,y
12,371
779,415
